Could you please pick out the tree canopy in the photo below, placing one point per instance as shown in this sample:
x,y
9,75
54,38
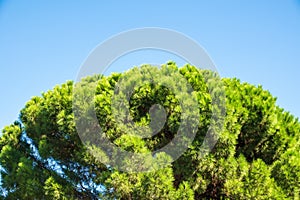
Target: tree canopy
x,y
257,154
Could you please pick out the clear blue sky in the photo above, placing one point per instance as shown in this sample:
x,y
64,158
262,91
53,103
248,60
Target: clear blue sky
x,y
43,43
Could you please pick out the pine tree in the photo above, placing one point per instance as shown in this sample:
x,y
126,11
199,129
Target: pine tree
x,y
257,154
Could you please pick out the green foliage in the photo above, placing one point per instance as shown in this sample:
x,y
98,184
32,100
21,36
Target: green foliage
x,y
257,155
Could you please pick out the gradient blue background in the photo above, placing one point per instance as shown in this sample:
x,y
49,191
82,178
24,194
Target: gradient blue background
x,y
43,43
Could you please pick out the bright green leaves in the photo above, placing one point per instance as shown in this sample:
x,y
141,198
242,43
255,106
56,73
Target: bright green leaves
x,y
255,116
10,154
250,180
151,185
48,146
54,190
256,134
19,174
11,135
256,155
286,172
49,122
131,143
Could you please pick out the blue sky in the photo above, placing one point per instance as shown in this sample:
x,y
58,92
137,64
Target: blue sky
x,y
43,43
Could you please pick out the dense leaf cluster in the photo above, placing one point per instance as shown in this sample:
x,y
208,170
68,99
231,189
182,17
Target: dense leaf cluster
x,y
257,155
